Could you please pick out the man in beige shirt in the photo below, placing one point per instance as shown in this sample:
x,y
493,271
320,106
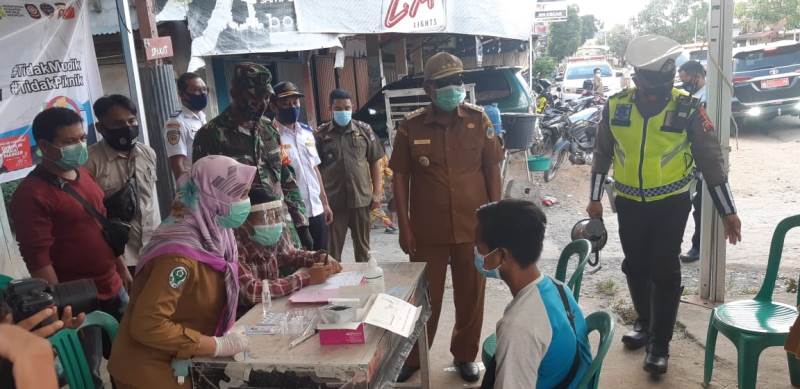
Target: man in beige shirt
x,y
125,169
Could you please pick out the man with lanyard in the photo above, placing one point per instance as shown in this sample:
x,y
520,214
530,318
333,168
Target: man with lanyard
x,y
693,77
180,129
243,133
653,134
297,141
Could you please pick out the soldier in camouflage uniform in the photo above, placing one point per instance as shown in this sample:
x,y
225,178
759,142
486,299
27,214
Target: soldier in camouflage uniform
x,y
243,133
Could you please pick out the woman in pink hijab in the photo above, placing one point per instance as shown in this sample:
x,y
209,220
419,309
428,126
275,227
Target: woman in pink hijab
x,y
184,296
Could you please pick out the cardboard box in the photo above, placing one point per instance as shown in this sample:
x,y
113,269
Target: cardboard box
x,y
343,333
382,310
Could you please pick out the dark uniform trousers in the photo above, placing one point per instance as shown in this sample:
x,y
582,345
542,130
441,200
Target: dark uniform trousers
x,y
357,220
651,234
468,293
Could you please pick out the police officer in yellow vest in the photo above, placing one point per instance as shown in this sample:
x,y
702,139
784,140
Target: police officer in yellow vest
x,y
654,135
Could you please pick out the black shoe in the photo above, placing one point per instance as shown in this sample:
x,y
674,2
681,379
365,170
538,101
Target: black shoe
x,y
405,373
638,337
656,363
469,371
691,255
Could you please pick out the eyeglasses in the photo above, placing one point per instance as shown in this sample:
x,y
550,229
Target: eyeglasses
x,y
449,81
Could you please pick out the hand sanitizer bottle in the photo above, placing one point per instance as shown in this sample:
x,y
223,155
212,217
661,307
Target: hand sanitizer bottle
x,y
374,275
266,300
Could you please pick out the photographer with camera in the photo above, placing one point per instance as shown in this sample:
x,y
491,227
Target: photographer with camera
x,y
60,223
23,348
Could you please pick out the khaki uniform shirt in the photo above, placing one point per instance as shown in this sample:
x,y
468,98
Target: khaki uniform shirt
x,y
259,147
111,169
446,166
174,300
347,155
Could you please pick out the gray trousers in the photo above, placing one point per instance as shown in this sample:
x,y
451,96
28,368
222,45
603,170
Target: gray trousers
x,y
357,221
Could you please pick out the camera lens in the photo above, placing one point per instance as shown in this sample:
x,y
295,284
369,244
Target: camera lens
x,y
81,295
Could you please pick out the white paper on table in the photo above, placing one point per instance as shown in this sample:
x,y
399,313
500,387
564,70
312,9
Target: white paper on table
x,y
348,278
393,314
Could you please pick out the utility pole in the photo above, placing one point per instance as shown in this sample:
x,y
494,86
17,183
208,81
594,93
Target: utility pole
x,y
720,68
160,94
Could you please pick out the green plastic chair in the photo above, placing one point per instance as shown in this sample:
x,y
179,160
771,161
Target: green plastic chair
x,y
753,325
581,248
4,281
70,353
603,323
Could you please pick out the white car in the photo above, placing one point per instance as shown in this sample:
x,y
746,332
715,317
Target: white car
x,y
578,72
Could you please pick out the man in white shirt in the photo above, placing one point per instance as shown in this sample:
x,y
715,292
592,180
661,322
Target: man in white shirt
x,y
542,338
181,127
297,143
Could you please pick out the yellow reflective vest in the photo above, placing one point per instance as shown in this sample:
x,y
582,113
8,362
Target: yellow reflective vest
x,y
652,158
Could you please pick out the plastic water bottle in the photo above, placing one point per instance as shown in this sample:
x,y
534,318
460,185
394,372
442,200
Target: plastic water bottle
x,y
266,300
374,275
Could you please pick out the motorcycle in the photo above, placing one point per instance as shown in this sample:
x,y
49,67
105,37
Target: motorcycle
x,y
576,138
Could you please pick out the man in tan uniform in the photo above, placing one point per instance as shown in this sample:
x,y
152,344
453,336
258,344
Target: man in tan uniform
x,y
446,164
349,152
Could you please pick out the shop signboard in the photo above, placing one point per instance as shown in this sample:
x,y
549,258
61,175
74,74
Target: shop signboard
x,y
550,11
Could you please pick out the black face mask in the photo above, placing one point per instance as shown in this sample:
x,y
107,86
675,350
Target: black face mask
x,y
250,112
197,102
648,88
122,139
690,87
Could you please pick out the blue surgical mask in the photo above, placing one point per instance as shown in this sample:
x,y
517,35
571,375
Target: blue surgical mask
x,y
236,215
267,235
342,118
449,97
479,263
73,156
197,102
288,115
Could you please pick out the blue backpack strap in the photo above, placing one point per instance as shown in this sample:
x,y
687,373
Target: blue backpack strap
x,y
573,370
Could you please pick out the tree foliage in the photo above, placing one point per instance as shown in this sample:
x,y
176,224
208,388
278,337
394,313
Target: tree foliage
x,y
589,27
618,38
677,19
757,15
544,66
565,37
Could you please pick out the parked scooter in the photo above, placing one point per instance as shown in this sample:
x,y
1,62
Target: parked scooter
x,y
576,140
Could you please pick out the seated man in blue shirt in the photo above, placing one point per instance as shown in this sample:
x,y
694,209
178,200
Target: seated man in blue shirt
x,y
538,345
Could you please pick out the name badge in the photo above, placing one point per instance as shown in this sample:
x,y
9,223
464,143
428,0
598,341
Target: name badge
x,y
422,141
622,115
